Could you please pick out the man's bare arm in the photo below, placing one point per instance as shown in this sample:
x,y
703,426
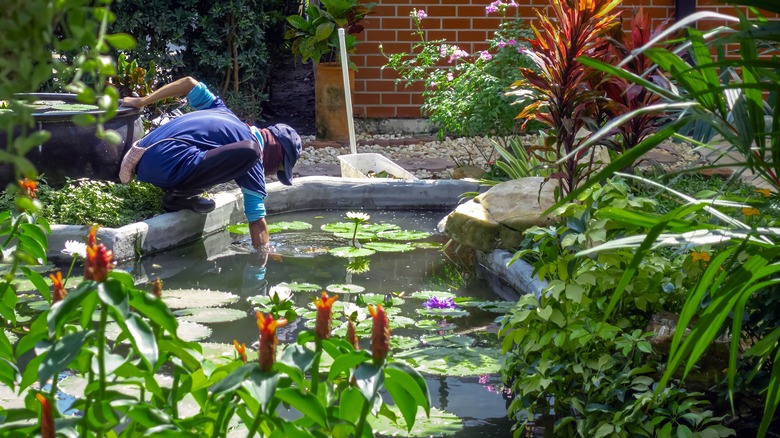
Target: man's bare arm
x,y
258,230
177,88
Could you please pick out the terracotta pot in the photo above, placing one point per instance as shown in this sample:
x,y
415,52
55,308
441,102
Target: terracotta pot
x,y
330,109
74,151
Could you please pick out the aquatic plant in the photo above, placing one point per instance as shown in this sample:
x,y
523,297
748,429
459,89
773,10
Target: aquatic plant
x,y
440,303
357,218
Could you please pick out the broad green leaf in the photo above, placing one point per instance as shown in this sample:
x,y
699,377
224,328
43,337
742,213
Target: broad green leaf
x,y
62,353
308,404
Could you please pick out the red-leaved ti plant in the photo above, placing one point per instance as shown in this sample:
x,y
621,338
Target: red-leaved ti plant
x,y
624,96
561,92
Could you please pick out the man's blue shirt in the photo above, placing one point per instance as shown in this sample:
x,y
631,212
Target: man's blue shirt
x,y
176,148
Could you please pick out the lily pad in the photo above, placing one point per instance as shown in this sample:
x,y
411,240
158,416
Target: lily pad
x,y
9,399
207,315
361,329
345,289
403,342
349,227
360,235
191,298
460,361
303,287
444,313
440,423
238,229
278,227
350,252
447,341
187,331
388,246
381,299
428,294
38,305
435,326
400,321
404,235
215,351
490,306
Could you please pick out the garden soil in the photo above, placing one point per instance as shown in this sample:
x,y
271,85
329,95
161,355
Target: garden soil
x,y
291,96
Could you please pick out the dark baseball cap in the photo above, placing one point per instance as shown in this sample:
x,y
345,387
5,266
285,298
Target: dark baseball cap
x,y
291,148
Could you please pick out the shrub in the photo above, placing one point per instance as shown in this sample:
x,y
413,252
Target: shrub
x,y
223,44
598,375
464,94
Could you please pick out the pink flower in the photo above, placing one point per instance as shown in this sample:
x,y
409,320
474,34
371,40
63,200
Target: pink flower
x,y
421,14
485,55
513,4
511,42
443,50
450,77
457,54
501,44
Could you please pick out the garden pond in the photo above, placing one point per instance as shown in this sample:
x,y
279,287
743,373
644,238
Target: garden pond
x,y
442,318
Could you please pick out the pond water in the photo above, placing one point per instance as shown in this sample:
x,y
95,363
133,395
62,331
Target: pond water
x,y
216,296
474,393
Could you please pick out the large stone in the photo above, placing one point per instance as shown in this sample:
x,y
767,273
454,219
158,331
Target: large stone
x,y
498,217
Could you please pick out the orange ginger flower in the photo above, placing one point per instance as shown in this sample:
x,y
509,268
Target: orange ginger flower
x,y
750,211
92,236
99,259
698,256
352,335
157,286
324,306
99,262
27,188
240,350
380,333
59,292
764,192
266,353
47,419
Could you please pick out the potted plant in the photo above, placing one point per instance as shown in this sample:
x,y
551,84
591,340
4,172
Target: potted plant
x,y
314,36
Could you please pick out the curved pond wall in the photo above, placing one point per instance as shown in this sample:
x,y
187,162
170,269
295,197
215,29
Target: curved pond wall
x,y
171,231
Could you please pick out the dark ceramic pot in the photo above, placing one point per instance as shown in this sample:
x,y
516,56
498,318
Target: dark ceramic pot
x,y
74,151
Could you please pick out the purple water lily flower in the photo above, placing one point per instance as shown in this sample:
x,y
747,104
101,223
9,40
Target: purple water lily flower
x,y
440,303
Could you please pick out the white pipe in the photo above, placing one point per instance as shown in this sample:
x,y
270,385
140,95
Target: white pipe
x,y
347,94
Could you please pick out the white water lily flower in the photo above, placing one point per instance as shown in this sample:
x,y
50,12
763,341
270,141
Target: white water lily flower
x,y
350,308
357,215
73,247
283,293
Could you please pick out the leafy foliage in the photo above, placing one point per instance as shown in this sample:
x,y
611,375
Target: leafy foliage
x,y
598,375
737,98
223,44
89,202
315,34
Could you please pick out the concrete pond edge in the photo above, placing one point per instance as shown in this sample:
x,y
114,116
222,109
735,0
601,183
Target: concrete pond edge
x,y
169,231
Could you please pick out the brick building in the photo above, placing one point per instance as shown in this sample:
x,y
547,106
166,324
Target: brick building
x,y
461,22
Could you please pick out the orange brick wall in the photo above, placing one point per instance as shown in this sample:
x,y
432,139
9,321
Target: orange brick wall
x,y
460,22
